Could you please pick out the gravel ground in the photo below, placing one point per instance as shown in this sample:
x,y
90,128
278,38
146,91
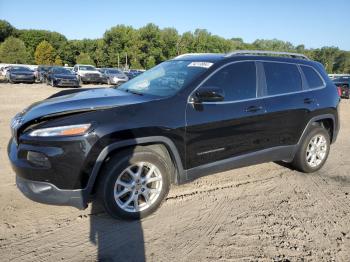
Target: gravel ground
x,y
265,212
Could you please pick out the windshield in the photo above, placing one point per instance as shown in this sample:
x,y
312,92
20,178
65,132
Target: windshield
x,y
59,70
87,68
164,79
20,68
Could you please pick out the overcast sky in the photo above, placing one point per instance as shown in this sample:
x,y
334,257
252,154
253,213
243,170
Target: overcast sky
x,y
315,23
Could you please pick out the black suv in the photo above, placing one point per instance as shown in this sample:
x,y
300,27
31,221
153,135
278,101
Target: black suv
x,y
188,117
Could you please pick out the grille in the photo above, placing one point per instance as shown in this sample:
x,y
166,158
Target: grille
x,y
92,75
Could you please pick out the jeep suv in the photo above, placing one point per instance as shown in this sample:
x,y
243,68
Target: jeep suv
x,y
191,116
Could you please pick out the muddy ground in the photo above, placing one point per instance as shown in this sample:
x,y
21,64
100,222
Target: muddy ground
x,y
261,213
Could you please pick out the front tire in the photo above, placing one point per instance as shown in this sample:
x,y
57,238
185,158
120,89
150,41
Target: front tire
x,y
313,150
134,184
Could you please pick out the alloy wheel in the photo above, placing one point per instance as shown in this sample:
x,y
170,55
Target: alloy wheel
x,y
138,187
316,150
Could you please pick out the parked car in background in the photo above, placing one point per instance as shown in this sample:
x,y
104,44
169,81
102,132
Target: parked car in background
x,y
41,73
60,76
133,73
114,76
89,74
191,116
343,84
4,70
20,74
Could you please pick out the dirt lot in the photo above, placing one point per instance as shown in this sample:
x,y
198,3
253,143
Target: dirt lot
x,y
261,213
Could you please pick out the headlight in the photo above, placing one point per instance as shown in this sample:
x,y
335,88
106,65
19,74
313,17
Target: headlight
x,y
72,130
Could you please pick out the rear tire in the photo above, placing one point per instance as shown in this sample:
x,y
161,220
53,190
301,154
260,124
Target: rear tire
x,y
147,190
313,150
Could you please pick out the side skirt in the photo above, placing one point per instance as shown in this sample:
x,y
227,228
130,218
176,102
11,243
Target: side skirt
x,y
267,155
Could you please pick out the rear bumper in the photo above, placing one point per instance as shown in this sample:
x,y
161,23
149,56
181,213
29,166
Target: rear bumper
x,y
48,193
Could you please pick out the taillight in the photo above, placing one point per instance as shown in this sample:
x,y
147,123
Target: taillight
x,y
339,90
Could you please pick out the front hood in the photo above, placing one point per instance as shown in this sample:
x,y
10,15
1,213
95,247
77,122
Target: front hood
x,y
100,98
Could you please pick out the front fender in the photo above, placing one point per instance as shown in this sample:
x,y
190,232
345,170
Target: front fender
x,y
173,151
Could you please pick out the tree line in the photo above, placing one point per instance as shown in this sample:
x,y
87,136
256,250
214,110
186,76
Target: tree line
x,y
141,48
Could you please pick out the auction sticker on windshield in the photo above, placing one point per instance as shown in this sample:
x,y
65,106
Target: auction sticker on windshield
x,y
200,64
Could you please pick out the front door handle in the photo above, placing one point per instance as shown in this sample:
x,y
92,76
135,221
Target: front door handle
x,y
309,100
253,109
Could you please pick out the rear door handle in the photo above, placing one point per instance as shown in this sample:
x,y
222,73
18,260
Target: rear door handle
x,y
309,100
253,109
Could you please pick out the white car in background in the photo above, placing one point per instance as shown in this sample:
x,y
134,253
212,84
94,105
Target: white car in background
x,y
89,74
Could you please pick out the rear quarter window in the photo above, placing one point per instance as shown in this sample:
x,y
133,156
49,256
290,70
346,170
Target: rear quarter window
x,y
312,77
282,78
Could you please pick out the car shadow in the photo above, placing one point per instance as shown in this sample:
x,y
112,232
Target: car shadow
x,y
285,164
116,240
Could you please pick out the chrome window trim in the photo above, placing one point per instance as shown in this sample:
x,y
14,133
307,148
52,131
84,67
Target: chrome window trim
x,y
260,97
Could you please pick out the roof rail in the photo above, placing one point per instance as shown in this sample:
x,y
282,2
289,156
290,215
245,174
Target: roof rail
x,y
261,52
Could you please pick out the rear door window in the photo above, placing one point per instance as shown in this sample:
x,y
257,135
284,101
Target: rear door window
x,y
312,77
238,81
282,78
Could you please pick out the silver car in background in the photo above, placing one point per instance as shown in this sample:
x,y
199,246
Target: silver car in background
x,y
114,76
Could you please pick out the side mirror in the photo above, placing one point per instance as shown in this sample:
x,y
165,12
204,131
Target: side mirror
x,y
208,94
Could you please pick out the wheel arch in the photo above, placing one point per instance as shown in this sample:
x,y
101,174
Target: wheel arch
x,y
154,142
328,121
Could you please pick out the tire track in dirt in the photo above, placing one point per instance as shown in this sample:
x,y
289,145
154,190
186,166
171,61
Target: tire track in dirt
x,y
213,224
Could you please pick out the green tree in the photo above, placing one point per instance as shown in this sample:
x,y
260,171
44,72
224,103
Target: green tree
x,y
273,45
150,62
326,56
58,60
6,30
84,58
186,43
13,51
150,45
170,39
342,63
32,38
120,41
100,54
68,53
44,54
